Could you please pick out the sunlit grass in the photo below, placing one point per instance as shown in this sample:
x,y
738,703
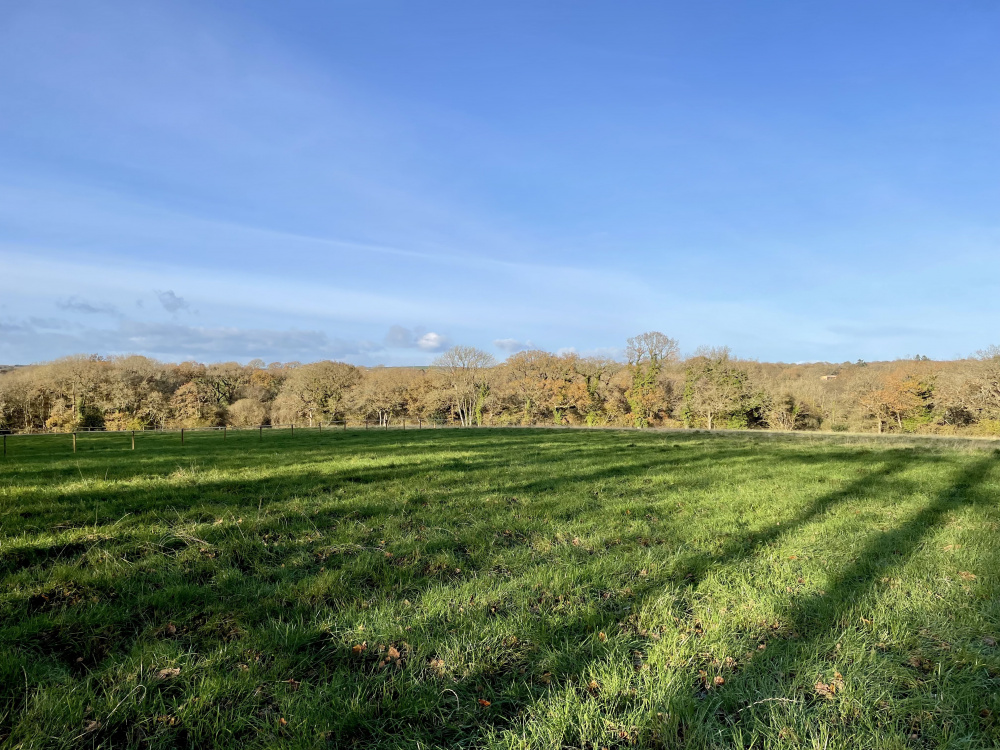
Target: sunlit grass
x,y
498,588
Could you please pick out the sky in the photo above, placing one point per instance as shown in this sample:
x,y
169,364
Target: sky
x,y
375,181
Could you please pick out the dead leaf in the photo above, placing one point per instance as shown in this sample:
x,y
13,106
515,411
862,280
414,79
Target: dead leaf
x,y
168,673
829,691
484,703
359,648
292,683
393,653
593,686
91,726
283,721
719,680
576,541
602,637
967,576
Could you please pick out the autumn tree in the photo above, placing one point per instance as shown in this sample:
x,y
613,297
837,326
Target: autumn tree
x,y
315,391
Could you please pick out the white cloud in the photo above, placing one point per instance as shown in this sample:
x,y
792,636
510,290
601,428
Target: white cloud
x,y
432,342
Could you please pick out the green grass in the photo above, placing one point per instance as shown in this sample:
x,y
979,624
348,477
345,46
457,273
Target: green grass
x,y
498,588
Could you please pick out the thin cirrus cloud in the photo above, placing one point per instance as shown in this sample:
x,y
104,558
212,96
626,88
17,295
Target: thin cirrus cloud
x,y
511,346
173,341
75,304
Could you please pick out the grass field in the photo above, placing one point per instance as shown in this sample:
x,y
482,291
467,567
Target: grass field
x,y
499,588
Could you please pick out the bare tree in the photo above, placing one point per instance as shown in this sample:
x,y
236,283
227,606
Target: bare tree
x,y
466,373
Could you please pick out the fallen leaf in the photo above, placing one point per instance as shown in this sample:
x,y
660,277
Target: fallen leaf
x,y
359,648
393,653
828,691
168,673
91,726
966,575
283,721
825,691
484,703
719,680
576,541
593,686
602,637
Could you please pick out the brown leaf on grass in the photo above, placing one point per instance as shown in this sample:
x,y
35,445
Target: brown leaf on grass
x,y
358,648
830,690
602,637
392,658
967,576
91,726
593,686
171,629
292,683
168,673
283,721
719,680
576,541
484,703
546,678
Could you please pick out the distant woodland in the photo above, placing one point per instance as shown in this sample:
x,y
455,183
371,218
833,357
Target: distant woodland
x,y
653,387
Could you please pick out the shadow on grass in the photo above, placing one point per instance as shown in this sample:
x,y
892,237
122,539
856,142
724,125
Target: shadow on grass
x,y
236,589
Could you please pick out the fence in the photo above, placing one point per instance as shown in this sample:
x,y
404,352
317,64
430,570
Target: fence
x,y
73,438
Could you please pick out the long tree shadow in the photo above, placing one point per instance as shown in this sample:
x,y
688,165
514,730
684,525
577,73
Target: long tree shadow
x,y
198,593
811,619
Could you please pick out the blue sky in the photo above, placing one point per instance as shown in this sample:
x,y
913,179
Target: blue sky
x,y
373,181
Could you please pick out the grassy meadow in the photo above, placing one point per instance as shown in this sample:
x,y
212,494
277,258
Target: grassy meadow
x,y
499,589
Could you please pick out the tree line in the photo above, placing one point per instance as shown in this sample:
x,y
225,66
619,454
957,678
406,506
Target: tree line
x,y
653,387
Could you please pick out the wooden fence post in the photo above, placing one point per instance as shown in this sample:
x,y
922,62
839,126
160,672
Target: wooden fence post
x,y
133,439
293,430
74,442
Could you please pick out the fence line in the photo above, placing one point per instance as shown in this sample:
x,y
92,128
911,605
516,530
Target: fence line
x,y
330,425
978,442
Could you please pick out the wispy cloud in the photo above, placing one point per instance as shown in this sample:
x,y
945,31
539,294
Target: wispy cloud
x,y
176,341
171,302
75,304
512,345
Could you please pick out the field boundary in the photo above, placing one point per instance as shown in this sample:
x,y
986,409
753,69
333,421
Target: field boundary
x,y
846,438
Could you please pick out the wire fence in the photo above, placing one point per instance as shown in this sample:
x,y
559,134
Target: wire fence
x,y
72,442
